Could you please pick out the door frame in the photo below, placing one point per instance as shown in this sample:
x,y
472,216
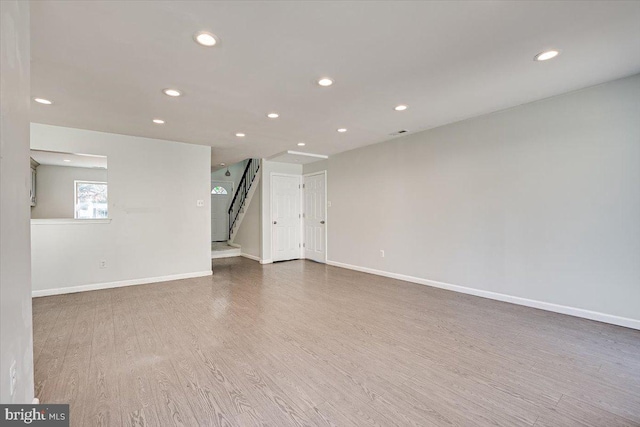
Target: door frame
x,y
271,195
326,212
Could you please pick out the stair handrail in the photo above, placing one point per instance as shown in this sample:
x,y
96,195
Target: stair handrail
x,y
249,174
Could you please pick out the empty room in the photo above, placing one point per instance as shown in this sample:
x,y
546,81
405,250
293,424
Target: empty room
x,y
320,213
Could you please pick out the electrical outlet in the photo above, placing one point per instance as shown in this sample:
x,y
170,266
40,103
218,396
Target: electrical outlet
x,y
381,253
13,378
328,204
200,203
102,263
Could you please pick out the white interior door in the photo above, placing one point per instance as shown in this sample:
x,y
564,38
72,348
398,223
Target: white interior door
x,y
221,194
314,216
285,217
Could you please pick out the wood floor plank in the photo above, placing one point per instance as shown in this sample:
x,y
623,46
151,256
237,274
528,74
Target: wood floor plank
x,y
51,356
172,407
102,408
301,343
137,406
72,382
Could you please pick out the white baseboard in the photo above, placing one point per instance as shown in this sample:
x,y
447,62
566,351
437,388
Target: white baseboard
x,y
253,257
235,245
108,285
563,309
266,261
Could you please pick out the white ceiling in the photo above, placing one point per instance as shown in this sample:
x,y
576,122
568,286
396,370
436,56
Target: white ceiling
x,y
104,64
56,158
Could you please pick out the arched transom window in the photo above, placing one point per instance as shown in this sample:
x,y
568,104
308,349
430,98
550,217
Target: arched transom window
x,y
218,190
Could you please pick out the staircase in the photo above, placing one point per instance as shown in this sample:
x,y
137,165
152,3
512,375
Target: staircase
x,y
244,193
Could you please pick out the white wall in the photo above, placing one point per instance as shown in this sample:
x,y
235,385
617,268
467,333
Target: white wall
x,y
268,168
55,189
16,337
156,229
541,202
319,166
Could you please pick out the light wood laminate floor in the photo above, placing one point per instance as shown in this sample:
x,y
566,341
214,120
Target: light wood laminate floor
x,y
300,343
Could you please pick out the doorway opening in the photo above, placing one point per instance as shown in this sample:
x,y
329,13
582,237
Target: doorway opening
x,y
221,194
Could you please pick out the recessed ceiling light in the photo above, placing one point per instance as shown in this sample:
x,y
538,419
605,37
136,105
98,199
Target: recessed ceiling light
x,y
342,130
172,92
273,115
325,81
66,160
240,135
301,144
206,39
546,55
158,121
400,107
43,101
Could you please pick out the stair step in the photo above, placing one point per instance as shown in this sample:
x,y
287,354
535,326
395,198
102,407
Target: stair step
x,y
226,254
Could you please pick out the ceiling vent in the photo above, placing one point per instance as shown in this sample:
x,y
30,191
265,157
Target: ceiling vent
x,y
400,132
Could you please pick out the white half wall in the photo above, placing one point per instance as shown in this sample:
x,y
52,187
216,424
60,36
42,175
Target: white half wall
x,y
248,235
55,189
156,230
16,336
537,203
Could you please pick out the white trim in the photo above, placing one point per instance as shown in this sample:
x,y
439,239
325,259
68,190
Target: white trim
x,y
253,257
68,221
302,153
556,308
119,284
266,261
299,153
326,215
235,245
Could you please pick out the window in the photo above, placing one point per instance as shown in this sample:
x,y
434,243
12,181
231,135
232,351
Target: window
x,y
218,190
90,200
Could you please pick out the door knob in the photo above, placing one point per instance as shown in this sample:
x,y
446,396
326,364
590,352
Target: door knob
x,y
275,222
321,222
